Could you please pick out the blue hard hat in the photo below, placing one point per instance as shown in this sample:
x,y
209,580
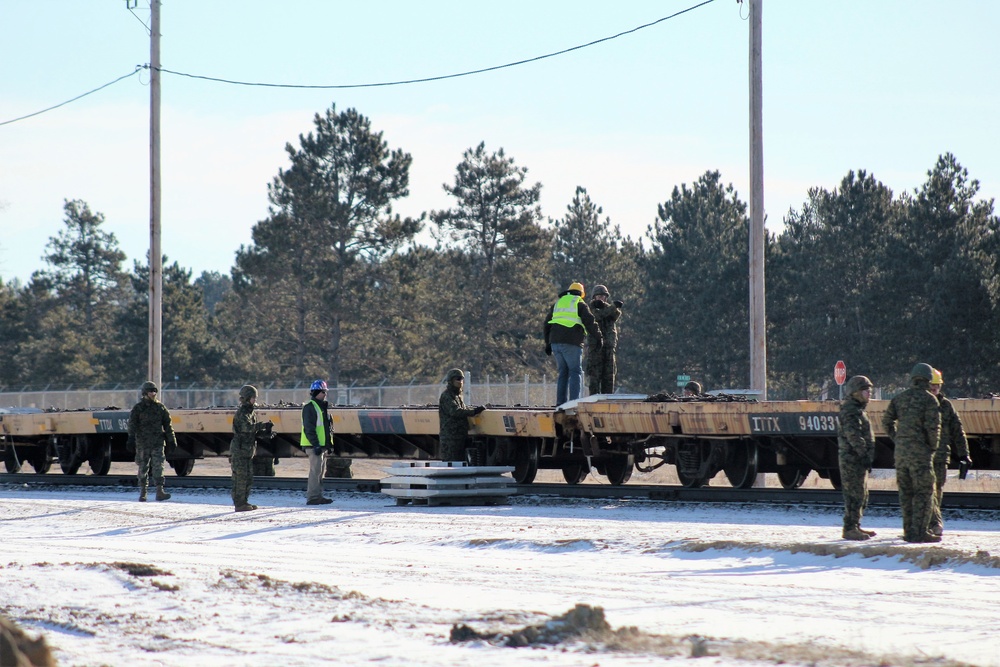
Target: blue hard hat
x,y
318,385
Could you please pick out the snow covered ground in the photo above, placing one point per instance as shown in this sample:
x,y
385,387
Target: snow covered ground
x,y
110,581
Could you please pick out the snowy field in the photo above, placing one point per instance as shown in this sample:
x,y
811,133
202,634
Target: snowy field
x,y
110,581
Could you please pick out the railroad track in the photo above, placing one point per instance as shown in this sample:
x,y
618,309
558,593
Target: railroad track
x,y
764,496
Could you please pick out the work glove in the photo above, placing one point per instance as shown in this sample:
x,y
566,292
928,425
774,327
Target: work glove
x,y
479,409
548,350
130,444
619,304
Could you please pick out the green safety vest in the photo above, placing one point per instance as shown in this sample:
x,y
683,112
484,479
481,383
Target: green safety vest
x,y
320,429
565,312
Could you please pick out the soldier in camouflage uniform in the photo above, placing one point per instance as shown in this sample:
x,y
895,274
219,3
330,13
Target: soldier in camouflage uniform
x,y
453,416
602,364
913,421
953,440
148,426
246,430
856,452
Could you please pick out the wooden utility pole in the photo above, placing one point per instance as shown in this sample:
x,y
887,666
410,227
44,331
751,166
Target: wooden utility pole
x,y
155,254
758,332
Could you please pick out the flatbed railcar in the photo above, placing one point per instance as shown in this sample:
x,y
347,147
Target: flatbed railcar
x,y
612,435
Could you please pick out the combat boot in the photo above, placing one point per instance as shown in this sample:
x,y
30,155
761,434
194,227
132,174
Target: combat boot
x,y
161,494
856,534
936,529
927,538
869,533
246,508
142,494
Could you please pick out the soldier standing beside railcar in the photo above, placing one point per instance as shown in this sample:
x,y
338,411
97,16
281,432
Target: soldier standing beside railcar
x,y
855,453
453,417
243,447
148,427
952,440
602,364
913,421
316,438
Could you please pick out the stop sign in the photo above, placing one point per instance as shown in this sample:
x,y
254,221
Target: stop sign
x,y
840,372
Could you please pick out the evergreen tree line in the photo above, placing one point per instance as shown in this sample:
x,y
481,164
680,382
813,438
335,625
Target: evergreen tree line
x,y
334,284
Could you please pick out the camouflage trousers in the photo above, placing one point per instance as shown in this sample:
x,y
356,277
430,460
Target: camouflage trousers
x,y
940,477
601,370
453,449
915,480
242,478
150,461
854,487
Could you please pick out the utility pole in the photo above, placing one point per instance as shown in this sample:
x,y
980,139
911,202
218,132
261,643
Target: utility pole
x,y
758,332
155,254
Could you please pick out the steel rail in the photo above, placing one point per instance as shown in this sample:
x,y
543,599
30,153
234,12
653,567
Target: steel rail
x,y
664,493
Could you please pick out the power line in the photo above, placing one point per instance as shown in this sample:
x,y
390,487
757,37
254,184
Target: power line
x,y
138,68
443,76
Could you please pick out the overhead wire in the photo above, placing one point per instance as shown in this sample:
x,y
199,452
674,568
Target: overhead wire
x,y
456,75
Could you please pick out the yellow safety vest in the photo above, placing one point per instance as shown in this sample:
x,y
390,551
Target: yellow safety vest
x,y
565,312
320,429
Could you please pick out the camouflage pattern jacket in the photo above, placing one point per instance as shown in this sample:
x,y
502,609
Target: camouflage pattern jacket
x,y
453,415
913,421
149,424
854,432
606,315
245,426
953,440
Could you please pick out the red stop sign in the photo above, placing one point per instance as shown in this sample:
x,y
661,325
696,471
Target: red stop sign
x,y
840,372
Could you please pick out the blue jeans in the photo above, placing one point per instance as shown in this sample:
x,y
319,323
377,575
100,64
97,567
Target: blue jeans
x,y
569,361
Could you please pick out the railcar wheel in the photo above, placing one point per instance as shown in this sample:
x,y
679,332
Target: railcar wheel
x,y
526,463
10,461
792,477
741,471
619,468
574,473
182,467
689,481
100,458
41,462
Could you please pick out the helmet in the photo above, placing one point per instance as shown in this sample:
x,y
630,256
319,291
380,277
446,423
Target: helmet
x,y
693,387
318,385
454,373
247,392
578,287
149,386
857,383
936,377
922,371
601,289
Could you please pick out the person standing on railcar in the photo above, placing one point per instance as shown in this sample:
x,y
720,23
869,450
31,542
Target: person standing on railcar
x,y
953,440
148,427
316,439
856,453
243,447
913,421
602,365
453,417
568,323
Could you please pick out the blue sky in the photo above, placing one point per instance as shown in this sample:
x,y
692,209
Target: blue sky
x,y
884,86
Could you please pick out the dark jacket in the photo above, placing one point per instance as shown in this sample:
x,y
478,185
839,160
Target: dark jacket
x,y
576,335
309,422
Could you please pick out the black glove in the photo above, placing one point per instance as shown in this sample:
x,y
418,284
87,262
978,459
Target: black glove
x,y
130,444
265,430
597,305
479,408
619,304
548,350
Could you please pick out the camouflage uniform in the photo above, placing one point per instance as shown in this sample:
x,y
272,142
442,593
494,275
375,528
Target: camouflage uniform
x,y
952,436
856,452
453,415
602,365
913,421
242,450
148,426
